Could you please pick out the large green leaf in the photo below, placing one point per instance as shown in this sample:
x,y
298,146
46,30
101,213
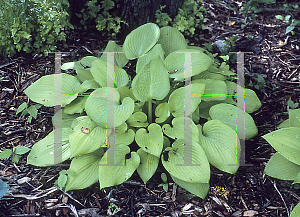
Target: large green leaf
x,y
151,142
284,124
148,165
152,82
177,99
222,69
116,75
97,108
297,179
65,118
84,74
204,108
87,137
141,40
227,113
82,67
196,116
293,121
79,120
156,51
252,103
119,57
84,170
76,106
43,91
209,75
125,138
221,145
138,119
294,117
162,112
115,172
198,189
215,90
88,85
171,40
85,62
177,131
287,142
296,211
122,128
195,169
280,168
126,92
176,63
46,152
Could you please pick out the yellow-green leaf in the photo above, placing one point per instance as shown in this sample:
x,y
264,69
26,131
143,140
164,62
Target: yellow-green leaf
x,y
46,152
152,82
194,168
287,142
43,91
98,105
171,40
151,142
177,99
221,145
140,40
84,170
148,165
117,165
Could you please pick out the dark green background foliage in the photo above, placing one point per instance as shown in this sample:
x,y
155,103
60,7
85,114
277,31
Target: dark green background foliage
x,y
188,20
33,26
103,16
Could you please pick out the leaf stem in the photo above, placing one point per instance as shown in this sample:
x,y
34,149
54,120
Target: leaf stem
x,y
150,110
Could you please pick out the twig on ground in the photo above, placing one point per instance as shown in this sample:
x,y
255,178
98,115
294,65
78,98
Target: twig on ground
x,y
274,184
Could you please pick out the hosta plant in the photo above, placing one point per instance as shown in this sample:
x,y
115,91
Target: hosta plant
x,y
112,126
285,163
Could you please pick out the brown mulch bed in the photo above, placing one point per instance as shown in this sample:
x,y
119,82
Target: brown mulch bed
x,y
276,57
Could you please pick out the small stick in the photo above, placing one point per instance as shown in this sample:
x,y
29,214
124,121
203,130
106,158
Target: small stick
x,y
274,183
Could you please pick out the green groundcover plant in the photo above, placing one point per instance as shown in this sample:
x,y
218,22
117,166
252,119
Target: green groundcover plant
x,y
285,163
188,19
33,26
112,127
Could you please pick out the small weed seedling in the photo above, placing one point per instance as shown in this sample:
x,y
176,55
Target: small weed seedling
x,y
259,84
15,153
165,185
292,104
32,110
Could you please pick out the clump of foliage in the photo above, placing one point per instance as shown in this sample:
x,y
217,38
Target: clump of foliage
x,y
15,153
32,26
285,163
112,127
106,19
258,83
291,22
188,19
31,110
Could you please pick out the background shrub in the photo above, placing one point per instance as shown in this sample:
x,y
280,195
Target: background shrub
x,y
33,26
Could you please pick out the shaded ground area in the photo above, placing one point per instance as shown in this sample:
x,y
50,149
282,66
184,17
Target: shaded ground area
x,y
249,192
